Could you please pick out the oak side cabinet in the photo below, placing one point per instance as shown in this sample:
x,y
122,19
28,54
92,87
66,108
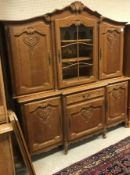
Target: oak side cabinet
x,y
6,155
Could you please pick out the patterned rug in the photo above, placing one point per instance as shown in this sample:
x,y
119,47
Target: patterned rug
x,y
114,160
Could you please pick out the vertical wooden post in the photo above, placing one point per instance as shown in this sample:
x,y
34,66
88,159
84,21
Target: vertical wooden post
x,y
6,154
127,64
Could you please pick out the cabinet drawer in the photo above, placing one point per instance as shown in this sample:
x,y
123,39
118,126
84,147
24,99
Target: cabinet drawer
x,y
85,95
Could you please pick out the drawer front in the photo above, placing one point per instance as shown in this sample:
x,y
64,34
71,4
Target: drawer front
x,y
85,118
85,95
43,124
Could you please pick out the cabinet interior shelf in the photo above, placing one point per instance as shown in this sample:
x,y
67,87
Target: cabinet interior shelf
x,y
83,64
65,60
79,40
72,42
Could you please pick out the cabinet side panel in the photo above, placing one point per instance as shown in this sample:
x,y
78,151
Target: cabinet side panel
x,y
6,160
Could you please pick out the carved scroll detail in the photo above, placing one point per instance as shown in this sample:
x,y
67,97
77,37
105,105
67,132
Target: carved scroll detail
x,y
112,36
31,36
77,6
117,90
86,113
44,112
116,94
31,40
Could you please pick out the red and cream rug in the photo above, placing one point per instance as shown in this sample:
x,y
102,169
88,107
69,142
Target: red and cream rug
x,y
114,160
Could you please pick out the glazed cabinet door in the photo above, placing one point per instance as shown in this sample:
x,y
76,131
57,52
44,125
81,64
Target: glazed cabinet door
x,y
30,57
76,41
43,124
117,103
85,118
110,50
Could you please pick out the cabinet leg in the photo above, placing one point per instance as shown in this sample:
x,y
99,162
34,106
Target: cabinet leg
x,y
127,124
104,133
66,145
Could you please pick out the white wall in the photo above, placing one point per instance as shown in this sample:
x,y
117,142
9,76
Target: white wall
x,y
23,9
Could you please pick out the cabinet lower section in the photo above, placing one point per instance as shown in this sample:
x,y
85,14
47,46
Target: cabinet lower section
x,y
52,121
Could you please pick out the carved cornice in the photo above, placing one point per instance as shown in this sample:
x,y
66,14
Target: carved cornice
x,y
47,18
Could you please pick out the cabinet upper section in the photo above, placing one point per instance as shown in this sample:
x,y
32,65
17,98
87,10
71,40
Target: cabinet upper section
x,y
69,47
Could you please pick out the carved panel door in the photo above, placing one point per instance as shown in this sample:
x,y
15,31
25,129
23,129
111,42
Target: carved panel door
x,y
111,50
43,124
85,118
76,38
117,103
31,62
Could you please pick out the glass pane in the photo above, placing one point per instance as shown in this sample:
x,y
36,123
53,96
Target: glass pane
x,y
69,50
85,50
68,33
85,69
85,32
76,51
70,70
85,45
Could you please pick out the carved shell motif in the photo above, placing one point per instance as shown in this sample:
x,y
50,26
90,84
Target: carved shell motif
x,y
77,6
